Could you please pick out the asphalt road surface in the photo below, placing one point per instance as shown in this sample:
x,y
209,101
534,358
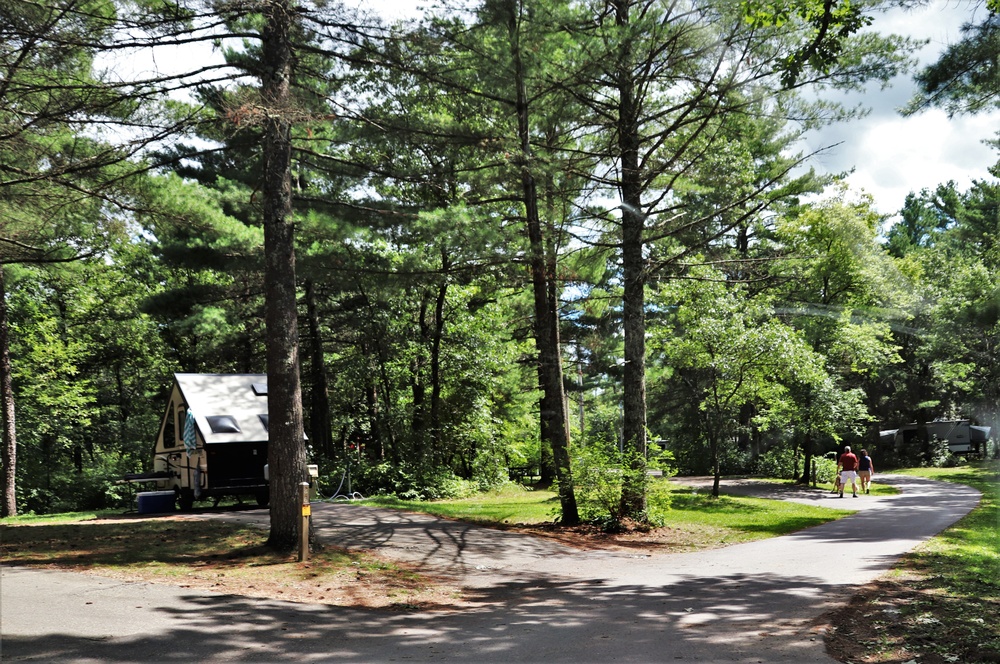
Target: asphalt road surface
x,y
540,602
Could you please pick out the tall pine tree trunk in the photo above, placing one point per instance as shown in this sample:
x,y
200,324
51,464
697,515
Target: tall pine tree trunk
x,y
436,340
286,448
807,439
321,429
8,471
418,388
633,501
554,413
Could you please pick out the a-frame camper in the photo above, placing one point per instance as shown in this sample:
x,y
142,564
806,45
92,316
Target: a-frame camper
x,y
213,438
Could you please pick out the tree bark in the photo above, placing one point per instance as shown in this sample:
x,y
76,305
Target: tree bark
x,y
321,429
436,340
554,411
286,448
634,273
418,387
9,459
807,441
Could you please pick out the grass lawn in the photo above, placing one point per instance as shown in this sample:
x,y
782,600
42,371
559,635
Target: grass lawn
x,y
691,519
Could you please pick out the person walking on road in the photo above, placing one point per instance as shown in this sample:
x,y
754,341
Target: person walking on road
x,y
865,470
848,465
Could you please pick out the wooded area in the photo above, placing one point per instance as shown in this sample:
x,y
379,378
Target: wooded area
x,y
519,233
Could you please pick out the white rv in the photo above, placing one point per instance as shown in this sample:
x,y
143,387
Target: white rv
x,y
213,439
963,438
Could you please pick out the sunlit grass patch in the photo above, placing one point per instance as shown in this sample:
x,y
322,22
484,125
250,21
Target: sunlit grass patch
x,y
62,517
509,506
693,517
747,518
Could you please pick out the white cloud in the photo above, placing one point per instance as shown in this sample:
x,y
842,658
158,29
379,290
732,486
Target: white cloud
x,y
892,155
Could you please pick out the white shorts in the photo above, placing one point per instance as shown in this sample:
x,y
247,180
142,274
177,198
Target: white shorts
x,y
848,476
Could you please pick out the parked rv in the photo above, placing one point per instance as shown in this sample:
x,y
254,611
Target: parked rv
x,y
963,438
212,440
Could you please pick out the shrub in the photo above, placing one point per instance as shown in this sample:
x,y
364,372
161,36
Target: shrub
x,y
406,481
778,463
826,467
96,487
599,473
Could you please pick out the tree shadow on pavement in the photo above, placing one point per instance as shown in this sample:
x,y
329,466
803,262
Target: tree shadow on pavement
x,y
724,618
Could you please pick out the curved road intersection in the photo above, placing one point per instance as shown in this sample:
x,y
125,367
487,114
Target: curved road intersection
x,y
536,601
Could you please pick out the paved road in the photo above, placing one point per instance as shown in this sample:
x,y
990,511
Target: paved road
x,y
540,602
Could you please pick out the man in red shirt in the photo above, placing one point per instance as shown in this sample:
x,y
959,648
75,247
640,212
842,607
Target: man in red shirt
x,y
848,465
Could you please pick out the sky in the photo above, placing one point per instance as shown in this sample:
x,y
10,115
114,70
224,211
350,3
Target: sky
x,y
892,155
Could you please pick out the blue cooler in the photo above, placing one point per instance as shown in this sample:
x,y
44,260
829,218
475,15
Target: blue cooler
x,y
155,502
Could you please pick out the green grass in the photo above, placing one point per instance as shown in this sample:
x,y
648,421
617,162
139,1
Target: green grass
x,y
747,518
696,518
968,553
62,517
511,505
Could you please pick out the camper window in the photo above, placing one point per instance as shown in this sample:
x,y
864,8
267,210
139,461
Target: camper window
x,y
169,428
264,421
223,424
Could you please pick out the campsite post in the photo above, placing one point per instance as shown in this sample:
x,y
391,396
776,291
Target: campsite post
x,y
304,525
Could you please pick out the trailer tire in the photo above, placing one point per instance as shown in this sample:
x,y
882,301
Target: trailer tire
x,y
185,499
263,497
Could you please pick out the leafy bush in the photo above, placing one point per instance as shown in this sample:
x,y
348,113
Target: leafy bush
x,y
658,501
778,463
913,455
405,481
66,490
599,473
826,467
941,456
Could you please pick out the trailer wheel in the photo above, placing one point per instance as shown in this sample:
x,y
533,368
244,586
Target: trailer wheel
x,y
263,497
185,499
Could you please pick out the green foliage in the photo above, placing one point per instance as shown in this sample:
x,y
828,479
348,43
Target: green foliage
x,y
728,352
826,468
965,78
87,364
406,481
828,26
599,475
778,462
95,487
408,180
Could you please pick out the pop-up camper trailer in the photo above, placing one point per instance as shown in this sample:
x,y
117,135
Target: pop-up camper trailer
x,y
213,439
963,438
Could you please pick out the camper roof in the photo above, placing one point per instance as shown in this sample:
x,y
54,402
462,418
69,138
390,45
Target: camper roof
x,y
227,408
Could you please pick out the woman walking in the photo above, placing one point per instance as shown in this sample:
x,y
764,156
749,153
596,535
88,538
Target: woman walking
x,y
865,470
